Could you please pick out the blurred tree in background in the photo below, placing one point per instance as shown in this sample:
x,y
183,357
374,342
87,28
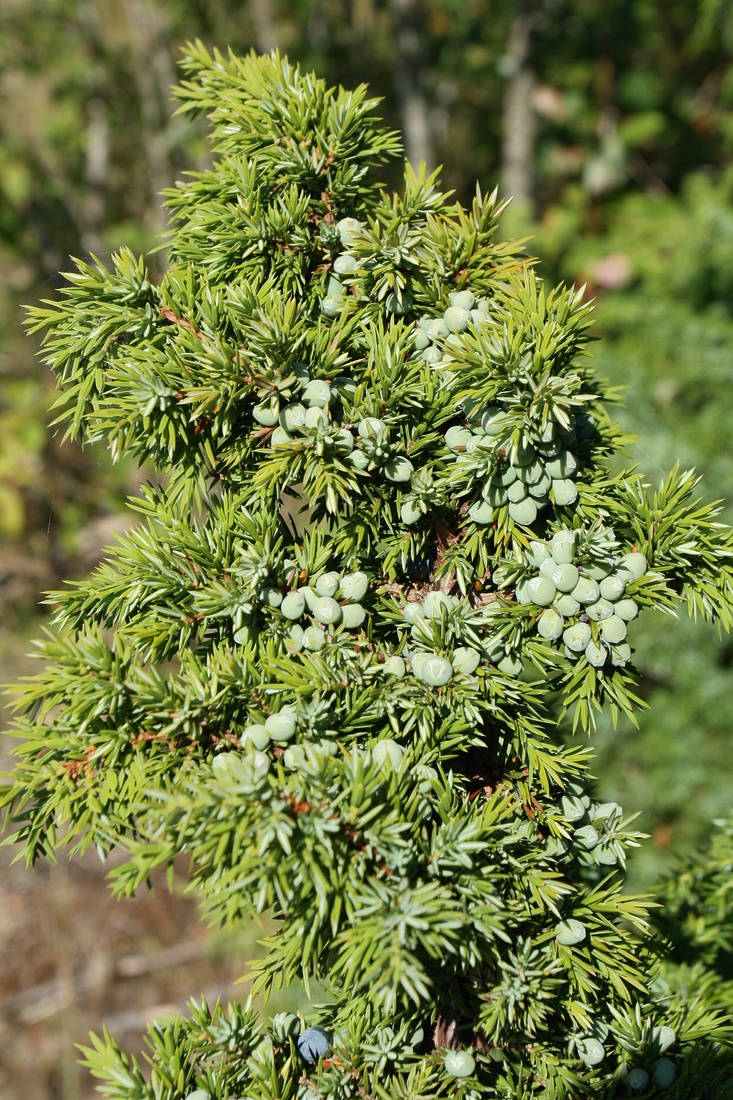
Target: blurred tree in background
x,y
610,121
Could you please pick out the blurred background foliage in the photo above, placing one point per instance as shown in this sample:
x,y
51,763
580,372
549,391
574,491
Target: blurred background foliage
x,y
611,124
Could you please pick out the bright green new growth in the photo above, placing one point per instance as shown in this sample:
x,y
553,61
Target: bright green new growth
x,y
344,707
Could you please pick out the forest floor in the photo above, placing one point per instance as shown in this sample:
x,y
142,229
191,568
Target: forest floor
x,y
74,959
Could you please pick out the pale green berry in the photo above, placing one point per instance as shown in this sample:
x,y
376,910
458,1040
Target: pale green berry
x,y
510,664
457,319
198,1094
477,443
530,474
255,735
270,596
267,414
590,1051
596,655
315,417
491,420
295,638
344,442
359,460
243,635
517,491
626,609
570,932
294,757
606,854
637,1079
434,603
371,427
521,593
335,288
599,569
457,437
432,356
506,476
495,495
634,564
613,587
398,304
352,616
399,469
462,299
599,610
522,454
413,611
224,765
562,547
481,512
566,605
495,649
421,340
286,1024
343,386
417,660
328,584
663,1072
550,624
459,1063
563,466
564,492
314,638
620,654
282,726
576,637
602,811
548,567
345,264
309,595
465,661
573,807
536,553
436,671
613,630
317,394
541,591
564,577
394,666
664,1038
539,494
410,512
523,512
293,605
331,305
292,417
387,754
541,487
586,837
354,586
349,229
437,329
586,590
280,436
327,611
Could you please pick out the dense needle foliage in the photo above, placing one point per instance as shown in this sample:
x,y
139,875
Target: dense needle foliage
x,y
345,660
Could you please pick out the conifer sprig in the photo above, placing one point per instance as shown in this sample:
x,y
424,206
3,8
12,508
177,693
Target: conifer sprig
x,y
330,663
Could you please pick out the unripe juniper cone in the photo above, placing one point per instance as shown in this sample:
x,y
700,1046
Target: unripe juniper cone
x,y
389,570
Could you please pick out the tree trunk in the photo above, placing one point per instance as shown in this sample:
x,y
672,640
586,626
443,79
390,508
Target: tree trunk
x,y
264,25
520,120
411,80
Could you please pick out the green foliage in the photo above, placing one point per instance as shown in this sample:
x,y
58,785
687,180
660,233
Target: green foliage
x,y
349,716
